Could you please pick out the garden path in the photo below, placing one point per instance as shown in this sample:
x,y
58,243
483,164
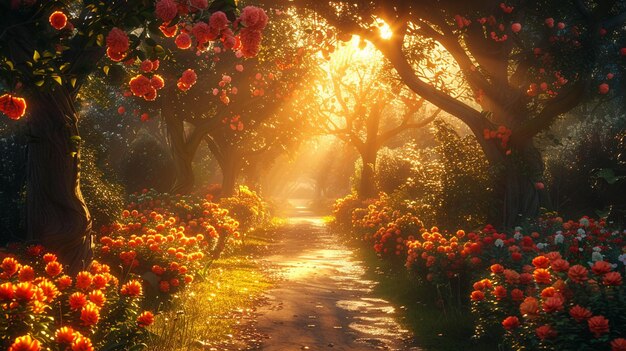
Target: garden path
x,y
324,301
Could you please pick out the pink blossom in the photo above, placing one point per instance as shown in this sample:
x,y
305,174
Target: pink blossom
x,y
218,21
183,41
239,68
215,91
250,42
166,10
117,41
200,4
550,22
226,78
516,27
203,33
253,18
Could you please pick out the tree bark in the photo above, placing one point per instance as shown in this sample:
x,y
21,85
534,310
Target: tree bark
x,y
182,156
367,186
230,172
57,216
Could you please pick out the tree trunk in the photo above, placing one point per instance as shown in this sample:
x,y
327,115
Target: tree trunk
x,y
230,172
367,186
57,216
522,198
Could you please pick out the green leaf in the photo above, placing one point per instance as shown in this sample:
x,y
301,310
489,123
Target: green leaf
x,y
36,56
57,79
608,175
10,64
39,83
75,138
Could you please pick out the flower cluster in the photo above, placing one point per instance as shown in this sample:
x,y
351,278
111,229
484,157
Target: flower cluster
x,y
44,308
248,208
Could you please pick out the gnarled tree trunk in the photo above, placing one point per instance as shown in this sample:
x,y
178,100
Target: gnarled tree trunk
x,y
57,215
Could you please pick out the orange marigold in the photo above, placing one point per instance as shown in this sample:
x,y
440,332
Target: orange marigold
x,y
145,319
545,332
54,268
133,288
612,279
510,322
601,267
541,262
82,343
542,276
25,343
64,335
577,273
83,280
90,314
580,313
618,344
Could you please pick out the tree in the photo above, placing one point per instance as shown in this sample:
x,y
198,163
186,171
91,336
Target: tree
x,y
362,108
47,51
526,63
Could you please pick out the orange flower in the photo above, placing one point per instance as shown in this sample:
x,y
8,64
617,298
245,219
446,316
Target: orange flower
x,y
477,295
77,300
49,257
12,106
510,322
145,319
7,291
601,267
25,343
577,274
10,266
580,313
500,292
54,268
541,262
545,332
612,279
560,265
164,286
132,288
517,295
530,306
496,268
553,304
58,20
99,281
511,276
64,335
83,280
90,314
26,274
542,276
49,290
618,344
97,297
598,325
82,343
64,282
24,291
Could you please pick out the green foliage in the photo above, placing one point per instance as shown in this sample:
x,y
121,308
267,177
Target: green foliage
x,y
247,207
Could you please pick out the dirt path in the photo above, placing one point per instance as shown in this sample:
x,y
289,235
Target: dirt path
x,y
324,303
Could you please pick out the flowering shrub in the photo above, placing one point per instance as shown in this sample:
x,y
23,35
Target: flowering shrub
x,y
45,309
247,207
342,210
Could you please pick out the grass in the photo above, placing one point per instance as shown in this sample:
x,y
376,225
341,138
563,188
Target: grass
x,y
208,315
433,329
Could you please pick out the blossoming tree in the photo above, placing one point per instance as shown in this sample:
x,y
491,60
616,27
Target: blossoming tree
x,y
525,63
48,49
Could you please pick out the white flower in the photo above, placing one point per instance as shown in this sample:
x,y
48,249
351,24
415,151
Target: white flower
x,y
584,222
596,256
559,238
517,236
541,246
581,232
518,229
596,249
499,242
622,258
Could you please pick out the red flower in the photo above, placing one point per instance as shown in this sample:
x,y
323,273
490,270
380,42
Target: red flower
x,y
64,282
64,335
511,322
580,313
25,343
578,273
542,276
183,41
603,88
496,268
541,262
500,292
117,44
253,18
146,65
250,42
82,343
560,265
13,107
530,306
90,314
24,291
598,325
166,10
7,291
145,319
545,332
187,80
58,20
157,82
133,288
553,304
97,297
204,33
83,280
517,295
168,31
618,344
54,268
612,279
26,274
601,267
140,85
77,300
